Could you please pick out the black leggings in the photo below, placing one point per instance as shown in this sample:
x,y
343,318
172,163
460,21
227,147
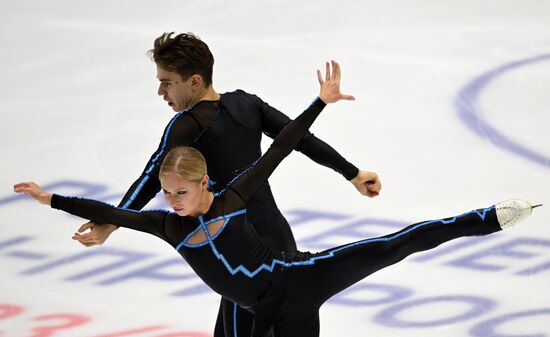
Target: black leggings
x,y
339,268
310,280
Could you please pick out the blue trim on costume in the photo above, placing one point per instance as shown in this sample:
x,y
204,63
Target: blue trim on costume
x,y
134,195
226,217
235,319
331,253
318,98
423,224
150,168
217,194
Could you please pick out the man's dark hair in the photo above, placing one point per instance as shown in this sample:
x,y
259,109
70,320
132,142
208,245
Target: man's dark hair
x,y
184,54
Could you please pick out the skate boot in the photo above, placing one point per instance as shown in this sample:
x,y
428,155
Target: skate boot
x,y
510,212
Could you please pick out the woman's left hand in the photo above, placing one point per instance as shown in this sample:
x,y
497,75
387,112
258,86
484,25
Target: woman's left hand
x,y
330,86
34,191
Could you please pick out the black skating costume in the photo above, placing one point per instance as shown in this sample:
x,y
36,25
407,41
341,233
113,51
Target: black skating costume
x,y
284,289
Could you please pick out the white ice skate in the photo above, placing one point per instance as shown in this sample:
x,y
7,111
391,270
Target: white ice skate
x,y
510,212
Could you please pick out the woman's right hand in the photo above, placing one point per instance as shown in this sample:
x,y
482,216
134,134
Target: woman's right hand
x,y
34,191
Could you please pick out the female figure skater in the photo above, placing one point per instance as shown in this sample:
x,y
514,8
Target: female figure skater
x,y
284,289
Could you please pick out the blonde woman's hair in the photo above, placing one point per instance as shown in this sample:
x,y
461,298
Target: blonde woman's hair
x,y
186,162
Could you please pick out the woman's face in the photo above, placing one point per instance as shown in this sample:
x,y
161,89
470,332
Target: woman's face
x,y
182,195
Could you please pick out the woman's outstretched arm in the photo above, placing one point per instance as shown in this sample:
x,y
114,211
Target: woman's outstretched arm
x,y
250,180
145,221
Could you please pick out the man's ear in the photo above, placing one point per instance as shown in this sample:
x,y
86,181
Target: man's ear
x,y
196,81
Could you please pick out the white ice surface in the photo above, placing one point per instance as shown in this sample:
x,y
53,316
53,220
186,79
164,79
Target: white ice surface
x,y
78,103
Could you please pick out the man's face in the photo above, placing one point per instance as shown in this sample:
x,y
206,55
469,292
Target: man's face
x,y
177,92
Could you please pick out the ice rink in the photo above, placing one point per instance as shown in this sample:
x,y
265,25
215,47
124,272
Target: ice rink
x,y
452,112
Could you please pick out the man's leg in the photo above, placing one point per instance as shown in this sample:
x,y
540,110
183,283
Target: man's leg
x,y
233,321
295,320
218,328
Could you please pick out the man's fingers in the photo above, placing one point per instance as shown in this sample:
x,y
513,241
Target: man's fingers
x,y
348,97
375,188
86,226
85,242
327,71
85,236
372,191
79,239
373,194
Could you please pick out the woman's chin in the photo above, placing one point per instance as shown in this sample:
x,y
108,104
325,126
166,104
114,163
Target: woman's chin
x,y
180,212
